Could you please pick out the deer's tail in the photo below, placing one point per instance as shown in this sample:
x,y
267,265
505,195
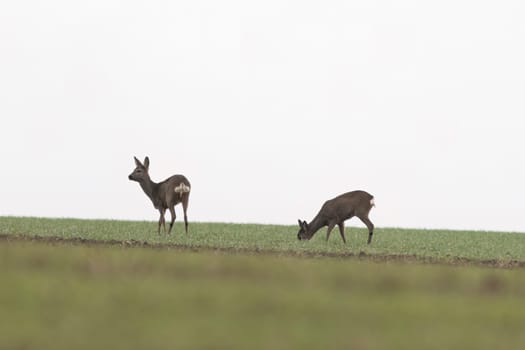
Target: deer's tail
x,y
182,188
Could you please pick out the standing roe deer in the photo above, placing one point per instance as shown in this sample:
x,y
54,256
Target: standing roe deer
x,y
335,211
165,194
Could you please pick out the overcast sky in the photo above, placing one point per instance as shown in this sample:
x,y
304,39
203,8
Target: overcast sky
x,y
268,107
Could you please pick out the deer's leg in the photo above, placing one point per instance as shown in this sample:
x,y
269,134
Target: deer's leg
x,y
342,230
162,221
370,226
173,216
185,200
330,228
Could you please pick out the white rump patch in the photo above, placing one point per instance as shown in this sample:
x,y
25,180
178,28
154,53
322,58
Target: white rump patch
x,y
182,188
372,202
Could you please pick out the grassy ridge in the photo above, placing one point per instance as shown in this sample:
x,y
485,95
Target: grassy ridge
x,y
63,297
437,244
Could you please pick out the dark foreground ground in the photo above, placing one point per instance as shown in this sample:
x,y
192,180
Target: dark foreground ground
x,y
81,293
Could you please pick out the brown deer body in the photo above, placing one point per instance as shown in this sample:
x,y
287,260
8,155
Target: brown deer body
x,y
336,211
164,195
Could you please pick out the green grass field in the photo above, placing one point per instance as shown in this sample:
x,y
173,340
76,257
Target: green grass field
x,y
436,245
256,287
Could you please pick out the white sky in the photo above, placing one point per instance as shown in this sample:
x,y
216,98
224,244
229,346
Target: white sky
x,y
268,107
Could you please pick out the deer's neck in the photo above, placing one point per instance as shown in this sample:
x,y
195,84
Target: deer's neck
x,y
315,225
149,187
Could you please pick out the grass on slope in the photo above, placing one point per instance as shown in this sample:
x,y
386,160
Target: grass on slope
x,y
437,244
83,297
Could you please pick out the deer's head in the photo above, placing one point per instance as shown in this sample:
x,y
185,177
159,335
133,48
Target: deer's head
x,y
141,171
303,231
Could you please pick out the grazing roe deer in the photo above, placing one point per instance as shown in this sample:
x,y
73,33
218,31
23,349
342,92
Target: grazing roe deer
x,y
165,194
335,211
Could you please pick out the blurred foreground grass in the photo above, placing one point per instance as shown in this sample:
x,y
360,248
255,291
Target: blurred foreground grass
x,y
64,296
442,245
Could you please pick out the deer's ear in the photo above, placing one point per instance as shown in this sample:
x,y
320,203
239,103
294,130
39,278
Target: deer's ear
x,y
146,163
137,162
303,225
